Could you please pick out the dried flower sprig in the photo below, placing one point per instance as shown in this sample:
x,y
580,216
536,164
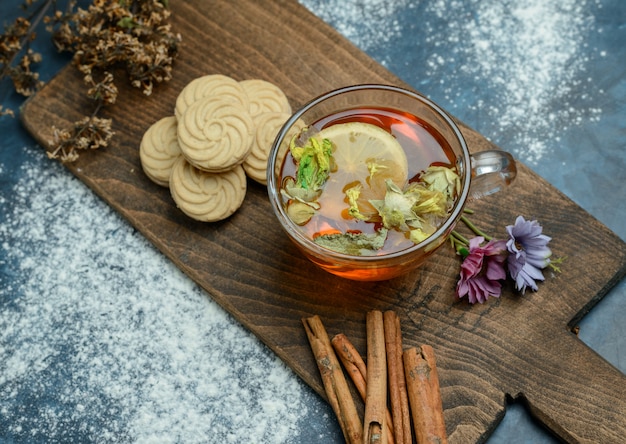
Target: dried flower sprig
x,y
524,255
110,36
133,35
15,41
89,133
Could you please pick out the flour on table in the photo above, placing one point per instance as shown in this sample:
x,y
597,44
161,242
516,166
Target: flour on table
x,y
526,52
522,57
367,23
103,339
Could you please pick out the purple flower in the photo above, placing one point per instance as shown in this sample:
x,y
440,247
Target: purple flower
x,y
482,270
529,253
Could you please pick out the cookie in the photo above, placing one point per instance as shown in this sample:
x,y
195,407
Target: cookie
x,y
265,97
215,134
267,126
212,85
159,150
207,197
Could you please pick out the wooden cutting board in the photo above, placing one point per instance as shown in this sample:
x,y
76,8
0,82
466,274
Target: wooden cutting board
x,y
522,346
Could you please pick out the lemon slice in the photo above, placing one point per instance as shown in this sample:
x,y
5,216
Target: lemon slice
x,y
364,154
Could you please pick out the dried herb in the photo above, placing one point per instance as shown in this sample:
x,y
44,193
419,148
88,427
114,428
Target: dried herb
x,y
16,57
131,37
356,244
89,133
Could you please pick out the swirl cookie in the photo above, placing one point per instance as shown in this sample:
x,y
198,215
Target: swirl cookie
x,y
265,97
205,196
214,134
159,150
212,85
267,126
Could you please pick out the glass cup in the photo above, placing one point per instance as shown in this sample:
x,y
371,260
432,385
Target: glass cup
x,y
480,174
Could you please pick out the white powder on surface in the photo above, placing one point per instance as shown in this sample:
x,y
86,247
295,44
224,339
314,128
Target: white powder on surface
x,y
367,23
526,52
103,339
522,59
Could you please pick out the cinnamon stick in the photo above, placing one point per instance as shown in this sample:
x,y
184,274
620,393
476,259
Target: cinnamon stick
x,y
334,381
424,395
352,362
374,431
356,369
397,386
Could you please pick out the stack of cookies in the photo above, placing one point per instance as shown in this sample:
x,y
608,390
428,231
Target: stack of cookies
x,y
222,131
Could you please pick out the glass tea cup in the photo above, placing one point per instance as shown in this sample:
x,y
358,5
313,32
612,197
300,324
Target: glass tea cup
x,y
480,174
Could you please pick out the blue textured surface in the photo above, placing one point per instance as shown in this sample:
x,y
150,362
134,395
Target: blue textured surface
x,y
545,81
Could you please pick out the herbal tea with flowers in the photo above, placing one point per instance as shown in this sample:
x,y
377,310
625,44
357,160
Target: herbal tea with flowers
x,y
349,188
487,261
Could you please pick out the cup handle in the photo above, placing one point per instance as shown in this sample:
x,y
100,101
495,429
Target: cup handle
x,y
492,170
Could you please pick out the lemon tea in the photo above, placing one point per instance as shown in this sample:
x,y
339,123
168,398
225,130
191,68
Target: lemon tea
x,y
374,150
428,138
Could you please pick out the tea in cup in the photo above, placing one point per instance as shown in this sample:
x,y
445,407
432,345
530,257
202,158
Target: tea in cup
x,y
369,180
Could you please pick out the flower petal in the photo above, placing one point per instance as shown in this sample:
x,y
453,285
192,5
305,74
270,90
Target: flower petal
x,y
482,270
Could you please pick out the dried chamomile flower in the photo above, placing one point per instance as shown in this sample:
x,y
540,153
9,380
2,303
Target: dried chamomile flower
x,y
25,81
88,133
110,34
356,244
13,42
135,35
396,209
13,39
352,195
442,179
314,162
104,91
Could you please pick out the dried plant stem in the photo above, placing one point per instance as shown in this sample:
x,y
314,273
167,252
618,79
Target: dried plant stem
x,y
355,366
424,395
397,385
459,238
475,229
335,384
376,395
37,16
80,128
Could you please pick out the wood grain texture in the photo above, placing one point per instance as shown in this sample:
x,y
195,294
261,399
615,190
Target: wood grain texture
x,y
521,346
